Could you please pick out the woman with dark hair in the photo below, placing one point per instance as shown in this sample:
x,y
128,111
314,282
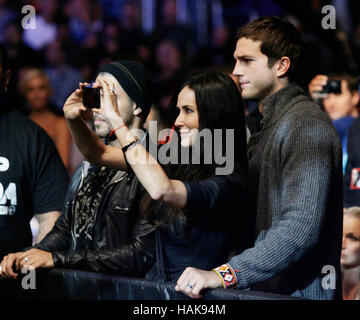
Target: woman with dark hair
x,y
197,210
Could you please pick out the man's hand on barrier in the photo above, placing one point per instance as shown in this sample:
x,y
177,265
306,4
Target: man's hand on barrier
x,y
74,107
193,280
35,258
6,266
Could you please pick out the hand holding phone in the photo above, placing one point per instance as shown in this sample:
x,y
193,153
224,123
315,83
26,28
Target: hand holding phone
x,y
91,96
332,86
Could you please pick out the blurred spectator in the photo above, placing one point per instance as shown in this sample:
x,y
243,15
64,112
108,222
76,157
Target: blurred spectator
x,y
222,46
111,8
35,87
122,36
169,61
350,254
20,56
219,52
110,39
346,103
85,17
95,32
340,107
130,31
46,28
170,72
145,53
168,28
352,172
335,43
63,77
131,15
7,16
355,42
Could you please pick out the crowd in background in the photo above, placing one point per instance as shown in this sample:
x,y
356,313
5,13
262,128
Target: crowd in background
x,y
73,38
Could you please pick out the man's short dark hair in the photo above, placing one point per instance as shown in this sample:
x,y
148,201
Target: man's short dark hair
x,y
278,38
4,60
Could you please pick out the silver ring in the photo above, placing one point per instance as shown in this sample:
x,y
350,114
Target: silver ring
x,y
190,286
26,259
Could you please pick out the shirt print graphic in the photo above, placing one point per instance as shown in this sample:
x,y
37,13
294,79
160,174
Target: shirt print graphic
x,y
8,200
355,179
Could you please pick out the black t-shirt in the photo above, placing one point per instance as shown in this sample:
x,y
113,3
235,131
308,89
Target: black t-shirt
x,y
33,179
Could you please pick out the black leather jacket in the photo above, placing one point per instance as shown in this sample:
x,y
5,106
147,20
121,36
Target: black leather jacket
x,y
123,243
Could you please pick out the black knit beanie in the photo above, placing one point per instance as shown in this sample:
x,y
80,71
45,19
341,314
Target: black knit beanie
x,y
134,79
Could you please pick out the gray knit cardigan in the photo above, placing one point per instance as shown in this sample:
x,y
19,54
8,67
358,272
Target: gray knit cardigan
x,y
296,196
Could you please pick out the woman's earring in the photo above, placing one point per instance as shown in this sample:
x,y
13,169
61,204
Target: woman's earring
x,y
137,110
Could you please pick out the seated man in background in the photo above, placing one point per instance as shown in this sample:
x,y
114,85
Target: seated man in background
x,y
33,180
101,229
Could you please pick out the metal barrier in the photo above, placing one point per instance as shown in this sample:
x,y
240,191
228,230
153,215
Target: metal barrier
x,y
68,284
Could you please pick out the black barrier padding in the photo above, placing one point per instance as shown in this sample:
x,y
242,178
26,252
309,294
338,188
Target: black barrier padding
x,y
68,284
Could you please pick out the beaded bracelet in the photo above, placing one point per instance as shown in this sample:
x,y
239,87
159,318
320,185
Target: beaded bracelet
x,y
227,275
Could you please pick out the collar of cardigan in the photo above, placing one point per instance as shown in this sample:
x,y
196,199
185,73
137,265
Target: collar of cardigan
x,y
277,104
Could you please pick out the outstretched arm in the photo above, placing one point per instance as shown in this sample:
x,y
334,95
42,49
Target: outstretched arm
x,y
133,258
147,169
89,144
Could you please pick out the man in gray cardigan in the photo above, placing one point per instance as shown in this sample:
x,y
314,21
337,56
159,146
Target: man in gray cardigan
x,y
295,175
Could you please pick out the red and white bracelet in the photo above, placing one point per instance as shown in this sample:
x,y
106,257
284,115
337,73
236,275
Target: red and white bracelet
x,y
227,275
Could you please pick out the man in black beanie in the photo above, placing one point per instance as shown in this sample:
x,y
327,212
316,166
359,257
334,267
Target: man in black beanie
x,y
101,229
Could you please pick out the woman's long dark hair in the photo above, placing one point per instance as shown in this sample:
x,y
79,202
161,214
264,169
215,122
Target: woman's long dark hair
x,y
219,106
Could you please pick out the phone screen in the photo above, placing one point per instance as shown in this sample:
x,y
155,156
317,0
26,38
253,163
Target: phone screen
x,y
91,97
